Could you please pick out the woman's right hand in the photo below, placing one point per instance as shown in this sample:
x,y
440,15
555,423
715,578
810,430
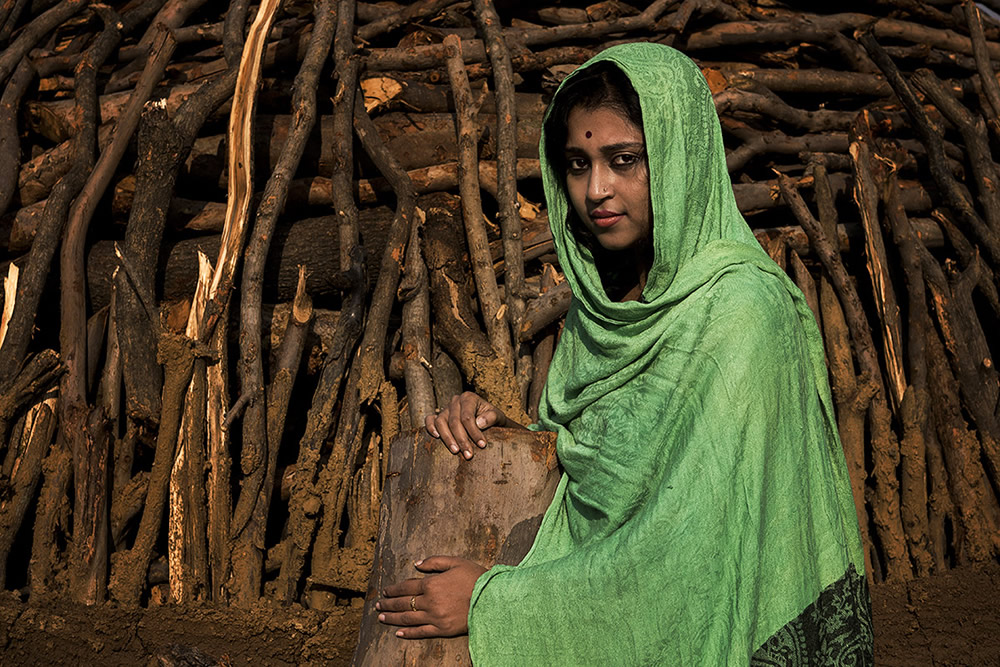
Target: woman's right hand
x,y
463,422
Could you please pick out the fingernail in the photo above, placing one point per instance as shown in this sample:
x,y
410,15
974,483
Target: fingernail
x,y
454,450
482,444
399,633
418,563
378,606
436,434
381,618
481,422
468,455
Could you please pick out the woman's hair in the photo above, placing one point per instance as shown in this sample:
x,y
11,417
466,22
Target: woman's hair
x,y
602,85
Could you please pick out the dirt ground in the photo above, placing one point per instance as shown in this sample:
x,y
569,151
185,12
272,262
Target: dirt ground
x,y
950,619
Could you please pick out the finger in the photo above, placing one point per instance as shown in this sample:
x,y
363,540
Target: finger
x,y
457,427
437,563
474,419
401,603
420,632
404,588
447,437
429,425
404,618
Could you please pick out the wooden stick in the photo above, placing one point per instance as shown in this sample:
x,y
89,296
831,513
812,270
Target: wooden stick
x,y
304,503
33,445
346,68
372,371
973,130
884,445
34,31
414,292
247,559
506,189
249,551
914,408
981,52
954,197
472,210
10,153
866,198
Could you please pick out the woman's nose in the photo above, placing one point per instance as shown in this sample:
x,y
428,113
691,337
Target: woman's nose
x,y
599,185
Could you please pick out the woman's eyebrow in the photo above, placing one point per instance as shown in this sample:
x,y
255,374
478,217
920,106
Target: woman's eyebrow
x,y
611,148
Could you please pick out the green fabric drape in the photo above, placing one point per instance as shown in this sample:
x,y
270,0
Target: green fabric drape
x,y
705,502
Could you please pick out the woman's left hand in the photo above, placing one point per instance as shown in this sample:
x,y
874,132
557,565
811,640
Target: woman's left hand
x,y
436,605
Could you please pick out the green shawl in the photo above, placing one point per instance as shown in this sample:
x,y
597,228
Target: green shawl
x,y
705,502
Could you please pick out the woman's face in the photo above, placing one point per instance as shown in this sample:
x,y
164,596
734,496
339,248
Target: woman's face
x,y
607,177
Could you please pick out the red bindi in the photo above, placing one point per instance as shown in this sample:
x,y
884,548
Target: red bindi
x,y
589,134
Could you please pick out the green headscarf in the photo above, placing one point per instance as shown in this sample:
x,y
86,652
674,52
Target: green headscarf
x,y
705,502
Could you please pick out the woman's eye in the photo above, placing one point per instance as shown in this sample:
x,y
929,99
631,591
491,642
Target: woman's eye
x,y
576,164
625,160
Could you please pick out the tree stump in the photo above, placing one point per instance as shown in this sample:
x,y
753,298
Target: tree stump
x,y
434,503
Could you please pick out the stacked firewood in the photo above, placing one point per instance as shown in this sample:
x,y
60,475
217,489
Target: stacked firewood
x,y
249,245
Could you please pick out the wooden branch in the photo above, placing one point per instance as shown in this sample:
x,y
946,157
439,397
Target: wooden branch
x,y
866,198
954,197
248,559
817,81
455,324
980,50
506,190
757,143
32,447
128,568
346,68
542,355
410,13
884,445
10,153
32,281
914,409
372,363
472,210
248,552
973,130
304,502
89,455
32,33
414,292
768,104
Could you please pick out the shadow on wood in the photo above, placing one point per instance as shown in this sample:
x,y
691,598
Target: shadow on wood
x,y
434,503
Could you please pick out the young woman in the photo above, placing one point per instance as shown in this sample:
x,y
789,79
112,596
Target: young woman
x,y
705,516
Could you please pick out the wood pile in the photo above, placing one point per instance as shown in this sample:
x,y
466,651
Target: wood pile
x,y
249,245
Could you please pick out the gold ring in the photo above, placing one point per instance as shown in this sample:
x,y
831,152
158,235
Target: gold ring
x,y
413,602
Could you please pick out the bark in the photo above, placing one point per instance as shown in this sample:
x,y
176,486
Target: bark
x,y
423,484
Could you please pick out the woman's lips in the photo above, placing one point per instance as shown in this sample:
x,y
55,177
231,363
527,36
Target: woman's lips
x,y
605,218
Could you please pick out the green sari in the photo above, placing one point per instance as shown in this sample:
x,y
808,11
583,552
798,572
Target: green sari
x,y
705,515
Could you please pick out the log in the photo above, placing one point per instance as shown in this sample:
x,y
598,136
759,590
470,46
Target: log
x,y
499,497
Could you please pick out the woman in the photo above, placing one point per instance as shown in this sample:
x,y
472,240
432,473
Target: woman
x,y
705,516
